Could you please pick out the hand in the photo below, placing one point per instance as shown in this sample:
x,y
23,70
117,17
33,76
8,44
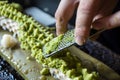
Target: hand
x,y
97,13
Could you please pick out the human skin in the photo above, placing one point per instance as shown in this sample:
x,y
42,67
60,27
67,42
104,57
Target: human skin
x,y
95,13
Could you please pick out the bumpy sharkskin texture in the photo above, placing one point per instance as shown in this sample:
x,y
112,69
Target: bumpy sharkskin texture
x,y
11,12
33,36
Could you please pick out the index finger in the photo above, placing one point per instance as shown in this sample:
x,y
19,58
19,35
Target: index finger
x,y
85,13
63,14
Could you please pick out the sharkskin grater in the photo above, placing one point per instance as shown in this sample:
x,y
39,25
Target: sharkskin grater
x,y
67,41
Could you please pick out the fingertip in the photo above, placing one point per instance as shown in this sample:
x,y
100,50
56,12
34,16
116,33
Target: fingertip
x,y
81,35
80,40
58,32
61,28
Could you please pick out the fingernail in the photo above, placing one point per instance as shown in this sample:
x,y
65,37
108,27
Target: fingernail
x,y
80,40
98,25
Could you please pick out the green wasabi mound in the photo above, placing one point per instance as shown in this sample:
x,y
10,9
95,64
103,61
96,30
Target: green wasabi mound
x,y
17,6
45,71
33,36
52,45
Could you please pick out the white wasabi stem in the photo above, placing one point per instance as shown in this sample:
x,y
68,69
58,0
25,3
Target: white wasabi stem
x,y
8,41
8,24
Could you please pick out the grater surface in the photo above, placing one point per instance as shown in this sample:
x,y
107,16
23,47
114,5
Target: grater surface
x,y
67,41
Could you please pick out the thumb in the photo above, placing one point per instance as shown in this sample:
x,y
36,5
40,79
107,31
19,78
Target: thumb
x,y
108,22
